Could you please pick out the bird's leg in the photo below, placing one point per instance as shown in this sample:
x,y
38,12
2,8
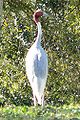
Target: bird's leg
x,y
34,97
42,100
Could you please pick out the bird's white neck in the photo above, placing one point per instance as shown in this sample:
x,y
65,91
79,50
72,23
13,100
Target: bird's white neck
x,y
38,39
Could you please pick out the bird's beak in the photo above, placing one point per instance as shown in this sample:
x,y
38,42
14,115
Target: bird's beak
x,y
45,14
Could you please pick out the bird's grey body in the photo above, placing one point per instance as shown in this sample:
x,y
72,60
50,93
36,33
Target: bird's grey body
x,y
37,68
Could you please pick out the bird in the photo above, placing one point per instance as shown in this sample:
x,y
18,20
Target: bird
x,y
36,62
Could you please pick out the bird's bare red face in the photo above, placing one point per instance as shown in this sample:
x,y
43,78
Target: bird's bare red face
x,y
36,15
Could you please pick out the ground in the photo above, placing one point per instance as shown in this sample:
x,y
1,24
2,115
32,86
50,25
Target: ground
x,y
65,112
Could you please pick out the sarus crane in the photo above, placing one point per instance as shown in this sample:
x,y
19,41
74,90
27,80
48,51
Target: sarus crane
x,y
37,63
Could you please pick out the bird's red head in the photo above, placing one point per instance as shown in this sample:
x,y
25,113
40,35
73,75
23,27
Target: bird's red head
x,y
36,15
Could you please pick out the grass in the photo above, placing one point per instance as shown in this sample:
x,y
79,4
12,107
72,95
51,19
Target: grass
x,y
66,112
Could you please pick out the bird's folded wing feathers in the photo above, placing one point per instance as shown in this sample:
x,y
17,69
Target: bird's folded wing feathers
x,y
40,64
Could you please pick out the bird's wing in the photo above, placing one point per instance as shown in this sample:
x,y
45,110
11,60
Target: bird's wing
x,y
37,68
40,71
40,65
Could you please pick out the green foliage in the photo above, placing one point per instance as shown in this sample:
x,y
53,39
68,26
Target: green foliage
x,y
71,112
62,44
